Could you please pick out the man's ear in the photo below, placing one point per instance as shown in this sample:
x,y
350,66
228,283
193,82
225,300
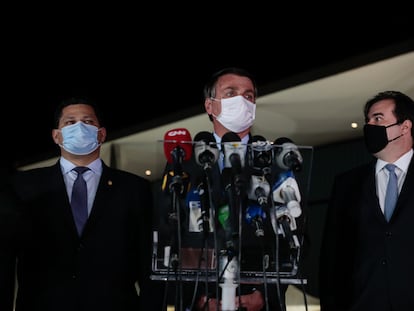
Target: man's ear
x,y
208,105
102,135
406,126
56,135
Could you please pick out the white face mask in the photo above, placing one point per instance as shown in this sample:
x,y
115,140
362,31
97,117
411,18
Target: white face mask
x,y
237,113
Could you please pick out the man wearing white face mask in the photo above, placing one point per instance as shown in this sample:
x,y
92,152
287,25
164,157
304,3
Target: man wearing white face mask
x,y
229,100
96,259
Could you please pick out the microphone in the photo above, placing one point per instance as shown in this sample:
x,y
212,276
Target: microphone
x,y
255,216
287,154
206,154
205,148
286,191
234,152
259,190
234,182
260,154
260,160
177,149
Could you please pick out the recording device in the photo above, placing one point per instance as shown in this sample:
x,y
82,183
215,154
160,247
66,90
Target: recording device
x,y
205,148
287,155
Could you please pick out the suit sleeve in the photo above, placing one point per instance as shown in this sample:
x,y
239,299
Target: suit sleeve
x,y
9,224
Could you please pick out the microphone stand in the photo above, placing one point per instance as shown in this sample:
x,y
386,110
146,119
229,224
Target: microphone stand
x,y
176,188
207,214
230,268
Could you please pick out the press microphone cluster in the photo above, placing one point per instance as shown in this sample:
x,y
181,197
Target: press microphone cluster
x,y
272,183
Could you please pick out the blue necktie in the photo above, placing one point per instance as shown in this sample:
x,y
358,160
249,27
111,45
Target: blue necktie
x,y
392,192
79,200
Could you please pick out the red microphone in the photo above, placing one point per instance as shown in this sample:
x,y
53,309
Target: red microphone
x,y
178,145
177,148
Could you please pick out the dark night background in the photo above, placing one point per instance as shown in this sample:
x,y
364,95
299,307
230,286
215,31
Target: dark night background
x,y
146,68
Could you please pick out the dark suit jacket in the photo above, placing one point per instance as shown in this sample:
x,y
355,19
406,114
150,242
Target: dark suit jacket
x,y
367,263
57,270
8,234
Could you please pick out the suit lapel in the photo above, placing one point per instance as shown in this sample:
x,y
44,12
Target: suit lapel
x,y
102,198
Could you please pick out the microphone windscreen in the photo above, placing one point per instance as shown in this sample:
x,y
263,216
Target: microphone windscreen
x,y
230,137
204,136
205,148
256,138
260,152
178,138
282,140
287,154
234,151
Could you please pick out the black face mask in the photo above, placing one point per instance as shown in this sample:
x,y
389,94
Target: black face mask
x,y
376,137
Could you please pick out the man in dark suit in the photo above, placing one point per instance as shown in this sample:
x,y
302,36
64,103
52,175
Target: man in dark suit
x,y
366,262
230,97
106,264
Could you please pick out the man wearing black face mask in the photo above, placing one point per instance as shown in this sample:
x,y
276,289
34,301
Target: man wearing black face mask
x,y
365,264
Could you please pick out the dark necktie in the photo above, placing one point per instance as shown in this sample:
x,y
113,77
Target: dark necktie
x,y
79,200
392,192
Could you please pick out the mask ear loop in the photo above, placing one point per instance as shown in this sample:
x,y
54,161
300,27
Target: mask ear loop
x,y
397,123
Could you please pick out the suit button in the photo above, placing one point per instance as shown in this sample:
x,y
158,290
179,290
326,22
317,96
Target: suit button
x,y
388,233
383,262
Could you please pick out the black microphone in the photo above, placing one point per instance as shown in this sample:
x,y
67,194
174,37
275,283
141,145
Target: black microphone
x,y
255,216
206,154
259,190
260,154
234,182
287,154
205,148
234,152
260,160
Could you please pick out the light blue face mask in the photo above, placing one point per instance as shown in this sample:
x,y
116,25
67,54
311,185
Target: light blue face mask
x,y
80,138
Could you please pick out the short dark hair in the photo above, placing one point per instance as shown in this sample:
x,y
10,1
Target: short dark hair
x,y
74,100
210,86
404,106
